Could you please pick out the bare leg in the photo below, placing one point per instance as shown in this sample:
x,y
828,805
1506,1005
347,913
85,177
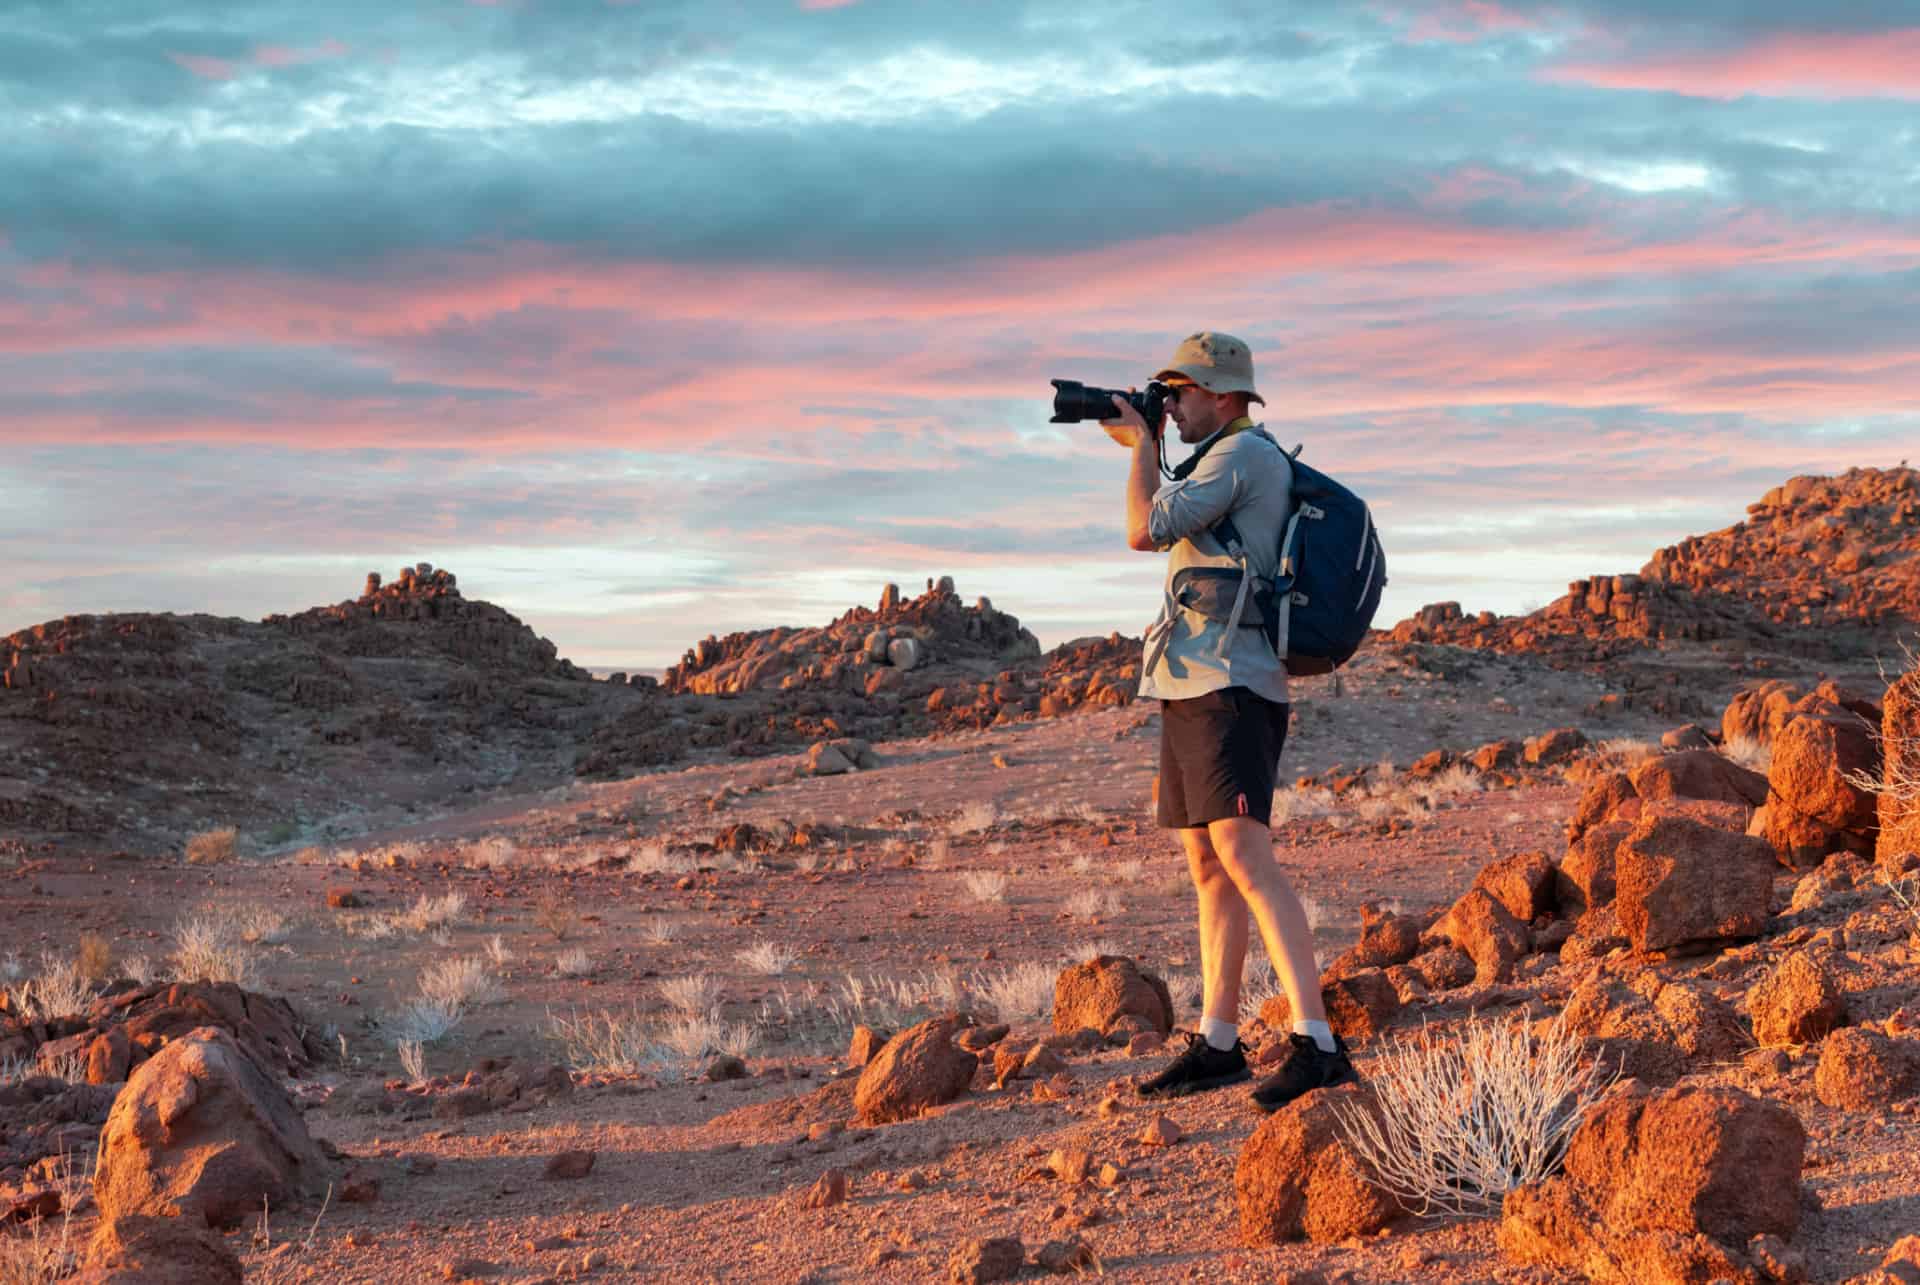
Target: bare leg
x,y
1223,928
1243,850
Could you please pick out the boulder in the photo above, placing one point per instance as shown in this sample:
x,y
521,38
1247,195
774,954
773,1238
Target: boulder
x,y
1359,1005
1664,1186
1386,939
1495,755
1297,1176
906,653
1862,1070
146,1249
1443,968
1610,797
1812,758
1523,883
1683,885
1697,774
1899,817
1489,934
202,1132
994,1258
919,1068
1596,934
1556,746
1687,736
1652,1030
1101,991
1585,878
1757,713
824,760
1797,1003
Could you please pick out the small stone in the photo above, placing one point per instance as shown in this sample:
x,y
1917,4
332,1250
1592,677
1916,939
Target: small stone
x,y
460,1269
830,1189
593,1260
1000,1258
1063,1257
343,898
726,1067
1109,1175
1144,1043
1109,1106
1161,1132
1070,1165
568,1165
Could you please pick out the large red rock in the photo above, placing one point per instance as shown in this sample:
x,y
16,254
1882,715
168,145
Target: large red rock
x,y
1664,1186
1523,883
1757,713
1862,1070
1360,1004
1812,758
1899,809
1102,991
1797,1003
1652,1030
1586,874
1386,939
1606,798
1556,746
144,1249
1683,885
1298,1177
1697,774
202,1132
919,1068
1479,925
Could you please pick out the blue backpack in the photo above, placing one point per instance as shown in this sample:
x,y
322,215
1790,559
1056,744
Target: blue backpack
x,y
1331,572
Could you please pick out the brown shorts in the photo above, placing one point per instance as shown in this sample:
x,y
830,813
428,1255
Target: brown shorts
x,y
1219,757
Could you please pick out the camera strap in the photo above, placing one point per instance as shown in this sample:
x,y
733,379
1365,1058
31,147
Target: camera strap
x,y
1184,469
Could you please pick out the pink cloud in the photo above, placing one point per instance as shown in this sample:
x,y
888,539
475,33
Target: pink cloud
x,y
1882,64
1465,21
816,5
288,56
204,67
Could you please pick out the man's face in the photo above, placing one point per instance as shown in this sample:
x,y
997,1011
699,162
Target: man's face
x,y
1197,413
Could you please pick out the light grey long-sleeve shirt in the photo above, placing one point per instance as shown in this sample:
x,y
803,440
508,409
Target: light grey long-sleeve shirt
x,y
1187,654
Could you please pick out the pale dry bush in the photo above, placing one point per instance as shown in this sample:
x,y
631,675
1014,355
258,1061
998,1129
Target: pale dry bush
x,y
768,958
94,959
1090,903
491,853
1290,804
1185,991
498,953
985,885
1461,1122
975,817
429,913
413,1060
655,859
1132,870
1625,751
39,1251
60,989
367,924
573,963
459,983
692,993
213,847
137,969
557,916
207,947
1018,993
662,932
257,925
606,1043
1448,784
1082,865
424,1021
1749,752
1906,895
1258,985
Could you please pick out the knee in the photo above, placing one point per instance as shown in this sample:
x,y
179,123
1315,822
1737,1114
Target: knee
x,y
1205,868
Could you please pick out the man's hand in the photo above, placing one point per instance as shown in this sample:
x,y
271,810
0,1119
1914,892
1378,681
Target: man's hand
x,y
1127,428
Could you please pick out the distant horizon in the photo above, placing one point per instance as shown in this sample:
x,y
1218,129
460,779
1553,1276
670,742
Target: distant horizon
x,y
654,321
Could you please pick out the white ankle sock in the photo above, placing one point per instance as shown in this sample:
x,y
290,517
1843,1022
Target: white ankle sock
x,y
1322,1034
1218,1034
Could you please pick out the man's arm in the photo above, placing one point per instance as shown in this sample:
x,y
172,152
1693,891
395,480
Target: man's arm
x,y
1140,487
1126,427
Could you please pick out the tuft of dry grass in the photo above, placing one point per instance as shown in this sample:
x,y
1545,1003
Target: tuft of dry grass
x,y
976,816
573,962
1090,903
208,947
429,913
985,885
94,959
655,859
767,958
662,931
557,916
1018,993
1748,752
60,989
692,993
461,982
213,847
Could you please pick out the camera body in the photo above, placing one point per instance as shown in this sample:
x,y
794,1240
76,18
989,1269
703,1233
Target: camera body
x,y
1074,401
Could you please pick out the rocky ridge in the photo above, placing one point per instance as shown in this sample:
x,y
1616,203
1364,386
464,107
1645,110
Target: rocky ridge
x,y
1822,566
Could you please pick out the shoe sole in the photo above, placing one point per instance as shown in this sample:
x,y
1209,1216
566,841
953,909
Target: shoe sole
x,y
1197,1086
1351,1077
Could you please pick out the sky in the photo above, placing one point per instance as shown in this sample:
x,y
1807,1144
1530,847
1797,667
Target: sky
x,y
652,320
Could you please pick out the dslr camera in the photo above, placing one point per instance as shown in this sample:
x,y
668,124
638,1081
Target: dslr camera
x,y
1074,401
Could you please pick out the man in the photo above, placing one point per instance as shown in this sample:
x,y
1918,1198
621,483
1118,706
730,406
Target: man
x,y
1223,713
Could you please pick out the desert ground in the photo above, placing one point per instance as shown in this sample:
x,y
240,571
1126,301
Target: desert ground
x,y
750,907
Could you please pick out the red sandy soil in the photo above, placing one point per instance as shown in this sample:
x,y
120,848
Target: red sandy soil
x,y
698,1181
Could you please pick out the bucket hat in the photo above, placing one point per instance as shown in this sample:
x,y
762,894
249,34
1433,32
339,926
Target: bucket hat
x,y
1218,363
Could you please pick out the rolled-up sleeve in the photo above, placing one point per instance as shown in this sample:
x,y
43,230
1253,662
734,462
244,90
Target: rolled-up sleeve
x,y
1182,508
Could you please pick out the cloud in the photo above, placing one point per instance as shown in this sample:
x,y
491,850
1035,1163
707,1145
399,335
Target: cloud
x,y
1802,64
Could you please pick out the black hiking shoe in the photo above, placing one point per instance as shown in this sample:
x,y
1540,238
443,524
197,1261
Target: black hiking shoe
x,y
1199,1067
1307,1068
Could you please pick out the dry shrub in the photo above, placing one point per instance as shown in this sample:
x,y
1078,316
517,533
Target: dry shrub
x,y
213,847
693,993
573,962
94,958
1019,993
208,947
1461,1122
557,916
985,885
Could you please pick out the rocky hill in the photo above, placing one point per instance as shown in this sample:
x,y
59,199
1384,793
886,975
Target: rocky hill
x,y
1823,567
137,728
